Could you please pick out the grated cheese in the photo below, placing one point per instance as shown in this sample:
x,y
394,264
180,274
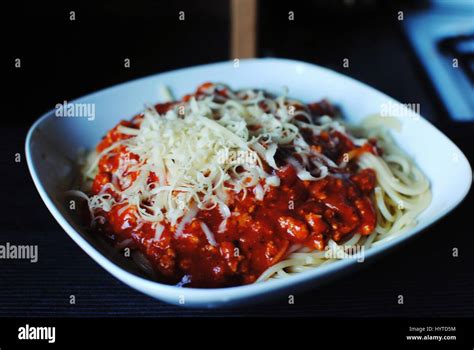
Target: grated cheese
x,y
182,146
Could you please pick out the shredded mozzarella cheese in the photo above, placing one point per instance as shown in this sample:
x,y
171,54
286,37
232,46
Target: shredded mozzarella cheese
x,y
183,149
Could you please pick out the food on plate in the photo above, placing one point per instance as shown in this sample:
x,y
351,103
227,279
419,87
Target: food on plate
x,y
225,188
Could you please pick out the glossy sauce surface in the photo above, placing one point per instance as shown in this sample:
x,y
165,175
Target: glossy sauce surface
x,y
259,233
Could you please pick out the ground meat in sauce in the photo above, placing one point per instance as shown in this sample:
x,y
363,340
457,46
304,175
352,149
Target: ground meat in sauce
x,y
259,233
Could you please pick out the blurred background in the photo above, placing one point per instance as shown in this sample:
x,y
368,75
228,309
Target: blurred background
x,y
415,51
398,47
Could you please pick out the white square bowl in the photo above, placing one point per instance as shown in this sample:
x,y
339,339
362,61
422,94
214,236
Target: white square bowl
x,y
52,146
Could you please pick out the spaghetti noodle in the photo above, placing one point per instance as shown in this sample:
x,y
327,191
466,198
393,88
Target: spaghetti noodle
x,y
233,187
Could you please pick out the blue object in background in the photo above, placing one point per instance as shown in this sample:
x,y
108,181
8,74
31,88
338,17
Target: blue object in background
x,y
443,39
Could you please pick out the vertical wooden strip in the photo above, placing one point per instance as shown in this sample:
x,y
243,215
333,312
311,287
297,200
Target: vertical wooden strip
x,y
244,28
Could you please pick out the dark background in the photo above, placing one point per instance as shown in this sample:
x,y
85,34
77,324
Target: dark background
x,y
64,59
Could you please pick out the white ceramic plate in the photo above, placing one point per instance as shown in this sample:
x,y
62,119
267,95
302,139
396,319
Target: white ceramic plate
x,y
53,142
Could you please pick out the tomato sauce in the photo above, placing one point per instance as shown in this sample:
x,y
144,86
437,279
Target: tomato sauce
x,y
259,233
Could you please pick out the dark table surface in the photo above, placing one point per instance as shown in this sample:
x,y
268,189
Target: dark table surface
x,y
432,281
424,271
